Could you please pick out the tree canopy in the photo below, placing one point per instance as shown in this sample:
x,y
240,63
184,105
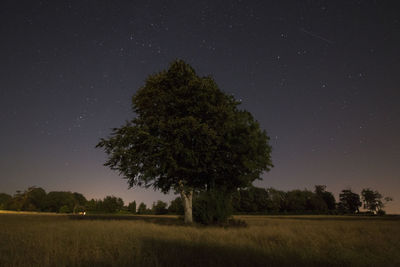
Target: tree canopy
x,y
349,201
373,200
188,136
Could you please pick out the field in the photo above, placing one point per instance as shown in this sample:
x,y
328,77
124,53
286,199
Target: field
x,y
57,240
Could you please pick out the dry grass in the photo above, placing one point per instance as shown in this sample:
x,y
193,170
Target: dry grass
x,y
42,240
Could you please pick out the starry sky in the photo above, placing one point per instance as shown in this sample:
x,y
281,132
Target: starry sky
x,y
322,77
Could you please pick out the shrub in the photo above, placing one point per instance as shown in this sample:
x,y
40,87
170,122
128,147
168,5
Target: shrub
x,y
65,209
212,207
381,212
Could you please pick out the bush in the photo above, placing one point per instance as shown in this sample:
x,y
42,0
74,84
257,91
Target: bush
x,y
65,209
212,207
381,212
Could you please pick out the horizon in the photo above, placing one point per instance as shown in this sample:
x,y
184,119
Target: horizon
x,y
171,196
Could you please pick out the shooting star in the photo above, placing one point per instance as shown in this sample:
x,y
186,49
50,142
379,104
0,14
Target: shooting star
x,y
316,36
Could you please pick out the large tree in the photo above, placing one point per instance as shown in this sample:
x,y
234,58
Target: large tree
x,y
349,201
187,136
373,200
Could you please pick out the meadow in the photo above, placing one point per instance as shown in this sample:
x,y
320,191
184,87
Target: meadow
x,y
57,240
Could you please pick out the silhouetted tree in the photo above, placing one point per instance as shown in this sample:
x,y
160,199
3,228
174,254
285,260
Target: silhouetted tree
x,y
374,201
349,202
327,197
277,200
187,136
132,207
251,199
34,199
142,209
4,200
112,204
79,202
298,201
160,207
56,199
176,206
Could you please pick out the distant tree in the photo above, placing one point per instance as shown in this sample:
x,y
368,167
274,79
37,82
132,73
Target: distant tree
x,y
94,206
16,202
4,200
298,201
35,198
246,201
349,202
56,199
79,202
31,199
277,200
159,208
65,209
112,204
327,197
187,136
142,209
176,206
374,201
251,199
132,207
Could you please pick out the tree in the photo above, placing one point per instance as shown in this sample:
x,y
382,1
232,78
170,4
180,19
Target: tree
x,y
176,206
142,209
79,202
4,200
374,201
277,199
251,199
187,136
132,207
56,199
34,198
327,197
160,208
112,204
349,202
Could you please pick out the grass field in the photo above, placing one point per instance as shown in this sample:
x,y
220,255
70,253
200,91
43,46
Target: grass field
x,y
57,240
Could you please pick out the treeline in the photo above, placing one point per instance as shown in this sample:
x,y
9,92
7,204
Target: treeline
x,y
252,200
319,201
36,199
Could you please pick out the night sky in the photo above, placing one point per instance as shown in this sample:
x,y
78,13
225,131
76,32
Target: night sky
x,y
322,77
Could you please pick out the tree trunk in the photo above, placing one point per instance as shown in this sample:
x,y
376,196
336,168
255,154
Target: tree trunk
x,y
187,198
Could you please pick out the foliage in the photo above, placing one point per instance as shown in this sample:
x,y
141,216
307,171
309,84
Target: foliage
x,y
277,199
109,204
132,207
159,208
65,209
374,201
187,135
142,209
327,197
251,199
349,202
212,207
259,200
176,206
112,204
57,199
31,199
4,200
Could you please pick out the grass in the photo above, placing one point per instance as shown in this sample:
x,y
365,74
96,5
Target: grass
x,y
49,240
